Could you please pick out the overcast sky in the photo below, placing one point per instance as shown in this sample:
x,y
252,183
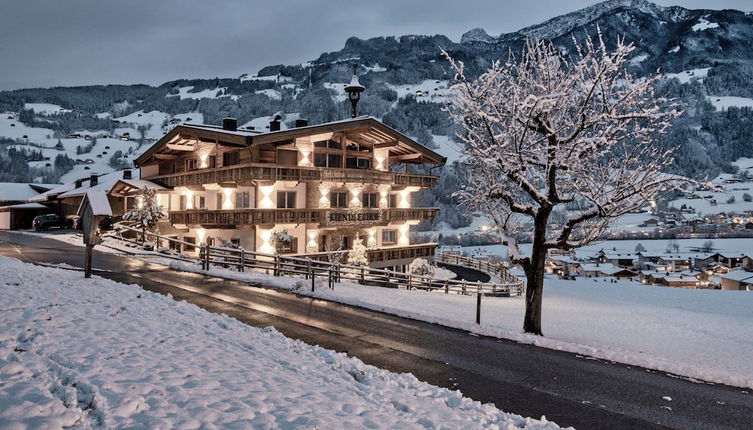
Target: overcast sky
x,y
82,42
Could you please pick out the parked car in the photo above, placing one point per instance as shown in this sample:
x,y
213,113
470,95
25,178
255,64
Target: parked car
x,y
45,222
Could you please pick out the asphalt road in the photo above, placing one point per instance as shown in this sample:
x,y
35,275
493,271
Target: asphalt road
x,y
523,379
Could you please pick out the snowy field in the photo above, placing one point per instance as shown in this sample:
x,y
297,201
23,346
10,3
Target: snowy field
x,y
697,334
728,246
724,102
95,353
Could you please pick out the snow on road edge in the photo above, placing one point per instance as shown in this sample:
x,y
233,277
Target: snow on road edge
x,y
96,353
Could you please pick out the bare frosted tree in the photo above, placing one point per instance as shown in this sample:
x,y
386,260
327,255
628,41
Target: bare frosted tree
x,y
552,133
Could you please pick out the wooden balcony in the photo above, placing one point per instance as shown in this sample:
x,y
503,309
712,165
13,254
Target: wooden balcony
x,y
385,254
266,172
330,217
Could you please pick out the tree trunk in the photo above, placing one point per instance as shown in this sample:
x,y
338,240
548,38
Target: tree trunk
x,y
535,275
534,292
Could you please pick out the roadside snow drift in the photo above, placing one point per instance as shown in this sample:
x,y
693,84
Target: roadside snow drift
x,y
95,353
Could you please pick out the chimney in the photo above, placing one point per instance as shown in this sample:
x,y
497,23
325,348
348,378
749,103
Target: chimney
x,y
127,174
78,183
93,180
274,125
230,124
301,122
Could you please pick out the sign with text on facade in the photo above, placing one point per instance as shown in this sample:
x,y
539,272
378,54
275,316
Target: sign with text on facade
x,y
349,217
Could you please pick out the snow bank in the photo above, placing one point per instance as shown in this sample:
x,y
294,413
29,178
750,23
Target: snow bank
x,y
95,353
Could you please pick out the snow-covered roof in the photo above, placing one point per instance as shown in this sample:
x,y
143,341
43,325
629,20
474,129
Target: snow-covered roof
x,y
12,191
680,279
25,206
98,201
605,268
738,275
104,183
43,197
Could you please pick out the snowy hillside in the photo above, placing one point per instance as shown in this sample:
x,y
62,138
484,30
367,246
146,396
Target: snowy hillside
x,y
95,353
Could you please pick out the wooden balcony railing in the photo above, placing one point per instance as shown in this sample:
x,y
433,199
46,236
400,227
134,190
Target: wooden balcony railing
x,y
330,217
265,172
378,255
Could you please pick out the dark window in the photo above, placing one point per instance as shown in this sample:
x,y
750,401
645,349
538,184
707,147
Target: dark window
x,y
358,147
327,160
357,163
231,158
334,160
337,199
243,200
192,164
327,144
183,203
389,237
286,199
370,200
212,161
393,200
219,200
236,241
199,202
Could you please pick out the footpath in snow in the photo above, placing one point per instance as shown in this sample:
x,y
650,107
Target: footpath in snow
x,y
95,353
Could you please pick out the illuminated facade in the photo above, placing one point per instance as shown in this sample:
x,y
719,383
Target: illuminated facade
x,y
317,187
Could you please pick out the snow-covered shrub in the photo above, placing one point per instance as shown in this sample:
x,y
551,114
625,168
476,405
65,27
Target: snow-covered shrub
x,y
421,267
281,240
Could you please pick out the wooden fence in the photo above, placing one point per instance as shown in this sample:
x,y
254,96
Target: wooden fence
x,y
490,268
313,270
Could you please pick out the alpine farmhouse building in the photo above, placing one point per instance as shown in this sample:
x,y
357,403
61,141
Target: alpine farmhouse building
x,y
317,186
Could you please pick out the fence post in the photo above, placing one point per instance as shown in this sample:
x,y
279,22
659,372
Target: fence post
x,y
362,274
464,285
241,268
276,271
447,286
312,273
206,257
478,308
409,280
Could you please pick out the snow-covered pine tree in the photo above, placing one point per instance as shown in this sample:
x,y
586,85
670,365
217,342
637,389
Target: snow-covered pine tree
x,y
147,213
556,131
357,256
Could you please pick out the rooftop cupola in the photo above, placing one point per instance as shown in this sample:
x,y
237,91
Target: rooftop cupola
x,y
354,90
